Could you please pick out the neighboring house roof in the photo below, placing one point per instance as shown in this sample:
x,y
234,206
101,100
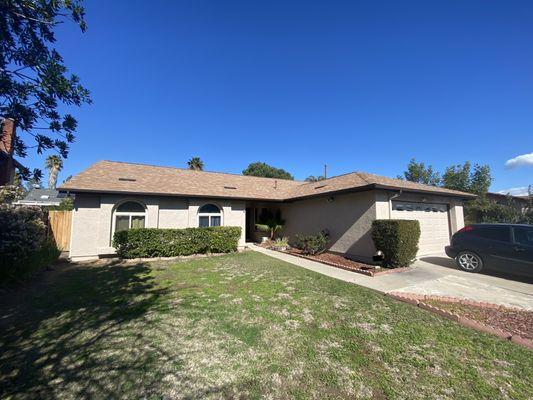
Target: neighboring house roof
x,y
42,197
119,177
504,197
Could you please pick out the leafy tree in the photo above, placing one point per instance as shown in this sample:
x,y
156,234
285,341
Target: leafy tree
x,y
480,179
10,193
67,204
261,169
196,164
54,164
312,178
528,215
418,172
457,177
34,81
270,222
461,177
485,210
474,180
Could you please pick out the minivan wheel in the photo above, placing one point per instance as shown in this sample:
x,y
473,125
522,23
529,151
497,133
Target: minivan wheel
x,y
469,262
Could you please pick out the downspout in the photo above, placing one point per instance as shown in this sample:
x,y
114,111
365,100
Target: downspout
x,y
390,202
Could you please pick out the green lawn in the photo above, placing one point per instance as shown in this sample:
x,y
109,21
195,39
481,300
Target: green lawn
x,y
239,326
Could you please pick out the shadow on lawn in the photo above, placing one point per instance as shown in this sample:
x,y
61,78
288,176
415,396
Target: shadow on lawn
x,y
68,331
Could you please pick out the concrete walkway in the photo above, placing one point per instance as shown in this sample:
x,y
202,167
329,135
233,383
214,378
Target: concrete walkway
x,y
435,275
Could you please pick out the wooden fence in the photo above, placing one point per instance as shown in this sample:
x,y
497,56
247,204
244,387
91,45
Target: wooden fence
x,y
59,225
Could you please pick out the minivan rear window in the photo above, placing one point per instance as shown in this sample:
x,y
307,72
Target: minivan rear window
x,y
523,235
499,233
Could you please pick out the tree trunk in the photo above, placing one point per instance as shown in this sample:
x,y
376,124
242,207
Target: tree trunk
x,y
52,179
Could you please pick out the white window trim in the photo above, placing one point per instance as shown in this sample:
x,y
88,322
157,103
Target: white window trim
x,y
210,215
125,213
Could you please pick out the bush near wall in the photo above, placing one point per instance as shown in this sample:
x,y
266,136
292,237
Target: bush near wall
x,y
397,239
24,248
152,242
311,244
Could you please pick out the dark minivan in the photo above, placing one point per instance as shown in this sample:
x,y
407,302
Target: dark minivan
x,y
503,247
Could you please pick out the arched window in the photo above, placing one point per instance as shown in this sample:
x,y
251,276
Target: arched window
x,y
209,215
128,215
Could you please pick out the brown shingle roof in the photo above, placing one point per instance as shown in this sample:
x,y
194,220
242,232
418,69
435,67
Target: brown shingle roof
x,y
119,177
110,176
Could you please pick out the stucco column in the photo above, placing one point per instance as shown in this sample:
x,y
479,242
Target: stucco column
x,y
152,212
457,220
103,234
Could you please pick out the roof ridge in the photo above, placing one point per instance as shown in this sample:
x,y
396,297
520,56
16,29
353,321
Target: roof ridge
x,y
209,172
360,175
333,177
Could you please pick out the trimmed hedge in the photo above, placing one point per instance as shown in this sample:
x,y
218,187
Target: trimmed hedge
x,y
397,239
153,242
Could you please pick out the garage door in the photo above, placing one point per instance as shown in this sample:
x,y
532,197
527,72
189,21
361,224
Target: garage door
x,y
434,224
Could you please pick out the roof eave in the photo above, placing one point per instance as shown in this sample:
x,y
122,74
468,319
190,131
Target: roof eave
x,y
136,193
462,195
372,186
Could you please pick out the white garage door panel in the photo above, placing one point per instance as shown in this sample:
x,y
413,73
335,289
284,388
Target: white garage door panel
x,y
434,224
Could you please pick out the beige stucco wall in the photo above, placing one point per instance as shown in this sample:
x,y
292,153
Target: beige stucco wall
x,y
83,240
347,218
92,219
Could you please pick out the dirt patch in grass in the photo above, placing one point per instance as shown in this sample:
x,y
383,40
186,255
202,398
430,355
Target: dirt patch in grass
x,y
512,320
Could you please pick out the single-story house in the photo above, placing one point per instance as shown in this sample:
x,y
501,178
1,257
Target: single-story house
x,y
111,196
41,198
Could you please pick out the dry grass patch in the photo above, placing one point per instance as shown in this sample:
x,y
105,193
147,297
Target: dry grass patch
x,y
239,326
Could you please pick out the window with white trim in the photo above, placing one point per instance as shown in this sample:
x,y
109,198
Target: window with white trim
x,y
209,215
129,215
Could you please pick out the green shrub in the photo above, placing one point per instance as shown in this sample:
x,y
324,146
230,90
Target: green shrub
x,y
151,242
22,231
312,244
67,204
24,267
23,246
397,239
281,242
44,256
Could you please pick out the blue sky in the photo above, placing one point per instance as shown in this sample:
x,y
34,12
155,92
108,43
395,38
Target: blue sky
x,y
299,84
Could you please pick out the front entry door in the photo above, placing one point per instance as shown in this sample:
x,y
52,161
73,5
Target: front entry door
x,y
249,224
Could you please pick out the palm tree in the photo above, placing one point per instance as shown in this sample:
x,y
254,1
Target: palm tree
x,y
196,164
54,164
313,178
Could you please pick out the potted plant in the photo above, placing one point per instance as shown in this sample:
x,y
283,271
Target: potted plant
x,y
270,222
281,244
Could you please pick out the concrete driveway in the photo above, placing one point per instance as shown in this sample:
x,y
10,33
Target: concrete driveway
x,y
438,275
435,275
